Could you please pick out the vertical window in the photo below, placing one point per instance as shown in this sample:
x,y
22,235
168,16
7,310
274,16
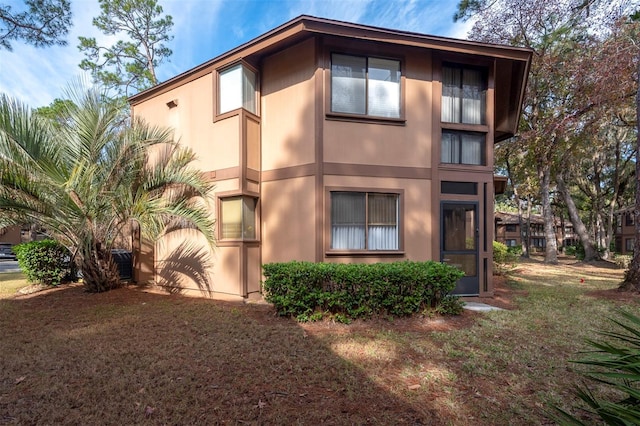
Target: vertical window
x,y
364,221
628,244
238,218
462,148
463,95
237,89
629,219
365,86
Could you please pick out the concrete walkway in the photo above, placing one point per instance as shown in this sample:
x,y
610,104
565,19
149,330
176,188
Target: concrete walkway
x,y
481,307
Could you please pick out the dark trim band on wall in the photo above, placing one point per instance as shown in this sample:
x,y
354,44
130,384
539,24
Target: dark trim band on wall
x,y
223,174
289,172
340,169
253,175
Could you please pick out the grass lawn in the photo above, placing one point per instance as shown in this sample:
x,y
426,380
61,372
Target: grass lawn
x,y
10,283
130,357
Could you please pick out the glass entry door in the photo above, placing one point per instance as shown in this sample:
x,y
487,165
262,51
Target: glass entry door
x,y
459,243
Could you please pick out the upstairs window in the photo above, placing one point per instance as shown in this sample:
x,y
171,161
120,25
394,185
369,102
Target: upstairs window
x,y
464,95
365,86
364,221
237,89
628,219
462,148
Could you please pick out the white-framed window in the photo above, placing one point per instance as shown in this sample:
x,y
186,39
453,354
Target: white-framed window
x,y
364,221
511,243
462,147
464,95
362,85
237,89
238,218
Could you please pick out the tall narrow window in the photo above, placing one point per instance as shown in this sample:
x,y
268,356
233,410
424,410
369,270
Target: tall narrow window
x,y
348,220
365,86
382,222
463,95
348,84
238,218
364,221
237,89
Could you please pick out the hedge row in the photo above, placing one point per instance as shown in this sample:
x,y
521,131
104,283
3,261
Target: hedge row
x,y
307,290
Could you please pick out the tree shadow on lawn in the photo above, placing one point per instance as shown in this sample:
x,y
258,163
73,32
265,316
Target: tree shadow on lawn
x,y
127,356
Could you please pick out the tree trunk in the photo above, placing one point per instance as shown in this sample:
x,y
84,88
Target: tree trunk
x,y
99,271
632,276
551,249
516,194
527,235
590,253
33,232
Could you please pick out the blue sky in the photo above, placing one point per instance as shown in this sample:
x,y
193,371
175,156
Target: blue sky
x,y
203,29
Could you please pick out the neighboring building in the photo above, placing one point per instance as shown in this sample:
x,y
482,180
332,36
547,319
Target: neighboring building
x,y
337,142
625,230
11,234
508,231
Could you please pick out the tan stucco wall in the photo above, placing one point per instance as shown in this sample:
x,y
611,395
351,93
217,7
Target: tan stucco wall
x,y
216,145
288,110
288,220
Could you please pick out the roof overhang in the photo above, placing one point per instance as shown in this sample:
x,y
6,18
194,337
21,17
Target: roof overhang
x,y
499,184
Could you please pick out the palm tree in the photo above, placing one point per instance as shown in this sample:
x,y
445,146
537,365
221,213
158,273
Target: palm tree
x,y
89,179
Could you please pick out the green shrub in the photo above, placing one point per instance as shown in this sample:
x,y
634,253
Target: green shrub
x,y
502,257
450,305
622,260
349,291
615,362
515,250
570,250
44,262
500,252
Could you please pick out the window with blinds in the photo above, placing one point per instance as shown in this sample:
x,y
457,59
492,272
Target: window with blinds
x,y
464,95
238,218
364,221
365,86
463,148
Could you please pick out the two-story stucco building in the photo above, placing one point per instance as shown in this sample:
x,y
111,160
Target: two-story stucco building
x,y
337,142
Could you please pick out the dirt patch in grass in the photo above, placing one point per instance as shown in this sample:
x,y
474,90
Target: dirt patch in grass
x,y
133,357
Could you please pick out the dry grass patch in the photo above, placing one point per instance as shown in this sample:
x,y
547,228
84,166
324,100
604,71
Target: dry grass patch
x,y
132,357
10,283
